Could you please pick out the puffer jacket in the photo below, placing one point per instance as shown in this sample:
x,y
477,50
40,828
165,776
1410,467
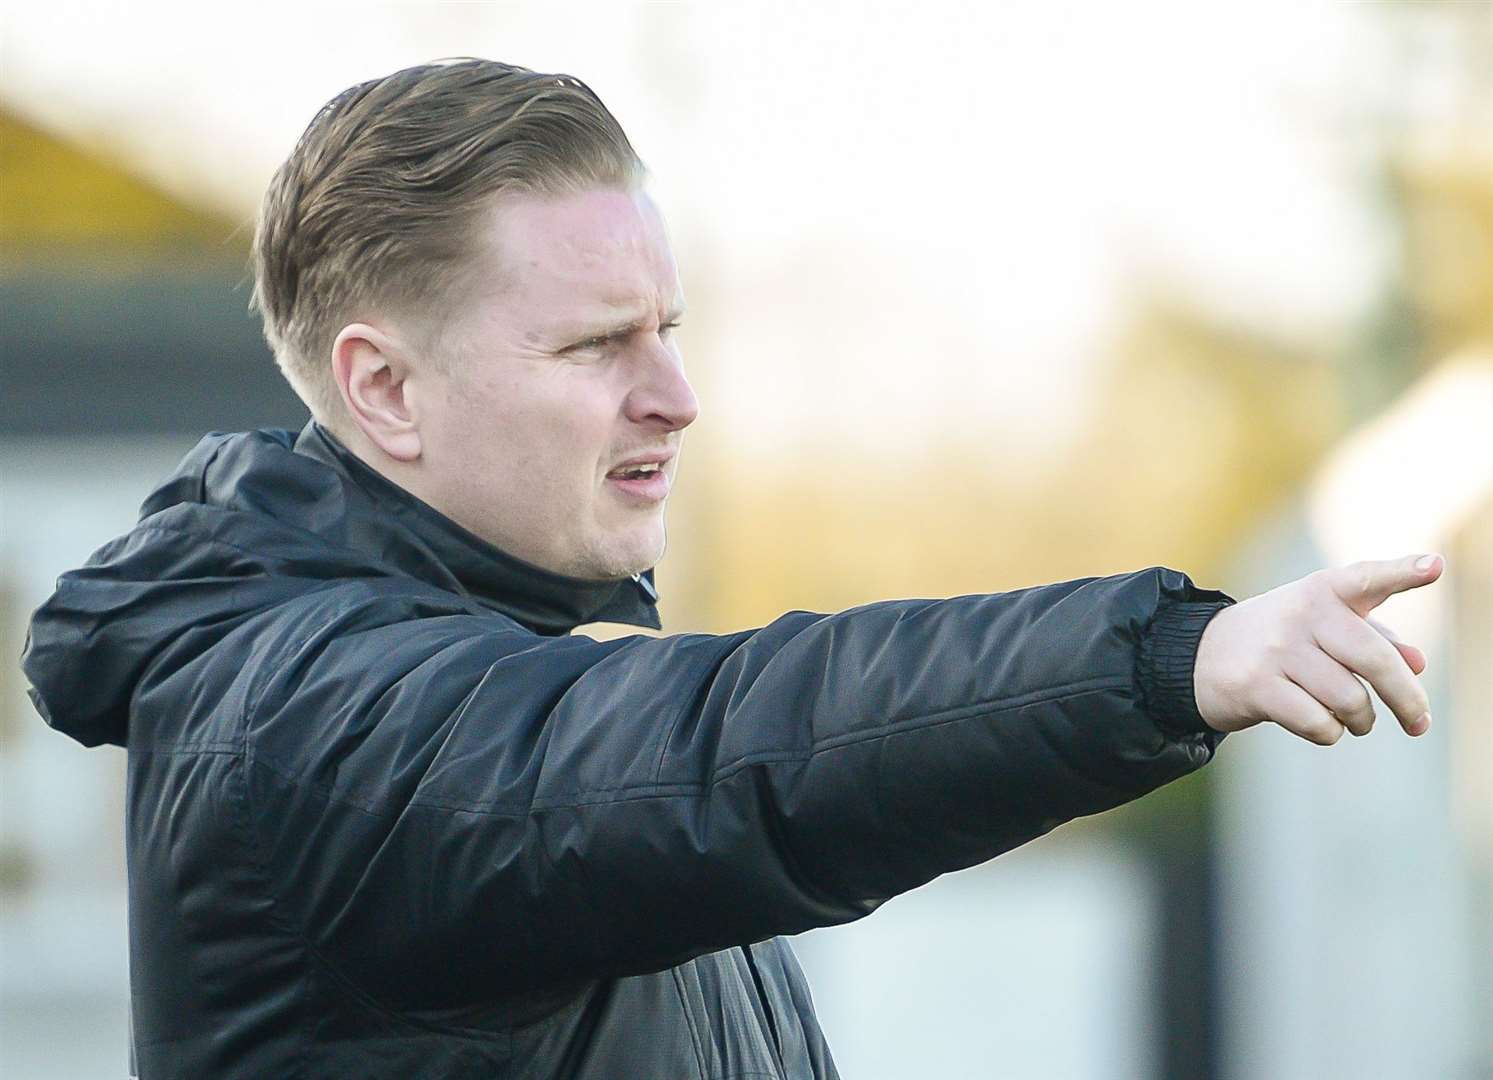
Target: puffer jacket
x,y
388,818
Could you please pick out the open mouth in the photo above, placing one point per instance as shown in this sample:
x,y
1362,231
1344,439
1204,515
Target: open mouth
x,y
637,472
646,482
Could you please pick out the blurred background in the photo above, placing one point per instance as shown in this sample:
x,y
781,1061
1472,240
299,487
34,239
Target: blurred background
x,y
981,296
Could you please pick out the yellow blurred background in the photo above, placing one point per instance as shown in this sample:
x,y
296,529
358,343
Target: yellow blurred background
x,y
980,297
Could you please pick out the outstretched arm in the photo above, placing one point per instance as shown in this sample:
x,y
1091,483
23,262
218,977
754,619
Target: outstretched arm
x,y
484,811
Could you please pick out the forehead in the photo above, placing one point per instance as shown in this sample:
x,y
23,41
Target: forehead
x,y
576,252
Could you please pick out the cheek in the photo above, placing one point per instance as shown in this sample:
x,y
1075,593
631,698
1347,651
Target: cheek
x,y
544,428
575,419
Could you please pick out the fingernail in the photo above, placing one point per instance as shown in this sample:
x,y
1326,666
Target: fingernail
x,y
1425,562
1422,725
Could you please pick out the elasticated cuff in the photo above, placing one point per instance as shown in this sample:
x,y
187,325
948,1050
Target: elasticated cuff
x,y
1168,651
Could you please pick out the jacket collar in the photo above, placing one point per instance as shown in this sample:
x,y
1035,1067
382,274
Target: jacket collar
x,y
547,602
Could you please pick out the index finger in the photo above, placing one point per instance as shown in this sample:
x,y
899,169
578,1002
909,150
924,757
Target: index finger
x,y
1365,585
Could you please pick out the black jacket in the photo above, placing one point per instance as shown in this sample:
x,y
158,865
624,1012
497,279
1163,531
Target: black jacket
x,y
387,818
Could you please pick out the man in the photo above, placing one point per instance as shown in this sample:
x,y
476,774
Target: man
x,y
387,817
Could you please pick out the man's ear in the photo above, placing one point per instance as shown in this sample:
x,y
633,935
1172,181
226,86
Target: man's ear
x,y
371,368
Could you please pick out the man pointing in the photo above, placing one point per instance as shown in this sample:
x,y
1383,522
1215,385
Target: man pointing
x,y
387,817
1290,655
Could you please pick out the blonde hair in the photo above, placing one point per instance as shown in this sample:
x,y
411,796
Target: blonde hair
x,y
379,203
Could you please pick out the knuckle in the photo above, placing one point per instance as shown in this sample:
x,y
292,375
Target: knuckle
x,y
1325,732
1258,664
1326,728
1234,675
1302,604
1321,587
1271,660
1343,702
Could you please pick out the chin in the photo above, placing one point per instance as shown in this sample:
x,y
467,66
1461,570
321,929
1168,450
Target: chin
x,y
627,555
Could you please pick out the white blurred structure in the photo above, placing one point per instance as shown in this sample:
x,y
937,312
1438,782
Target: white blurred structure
x,y
1356,880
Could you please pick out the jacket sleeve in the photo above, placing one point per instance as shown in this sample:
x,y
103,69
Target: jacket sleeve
x,y
451,808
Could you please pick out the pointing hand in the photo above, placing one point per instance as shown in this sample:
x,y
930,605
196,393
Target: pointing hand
x,y
1290,655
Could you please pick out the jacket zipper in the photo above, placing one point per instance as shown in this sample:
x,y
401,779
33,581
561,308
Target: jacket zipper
x,y
772,1023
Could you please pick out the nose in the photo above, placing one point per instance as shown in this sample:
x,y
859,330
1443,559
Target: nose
x,y
661,396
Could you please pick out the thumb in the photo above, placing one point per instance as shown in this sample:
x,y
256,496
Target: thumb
x,y
1365,585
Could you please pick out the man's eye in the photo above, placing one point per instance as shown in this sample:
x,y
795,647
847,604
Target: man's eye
x,y
605,340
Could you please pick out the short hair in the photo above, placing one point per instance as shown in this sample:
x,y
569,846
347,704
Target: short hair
x,y
380,201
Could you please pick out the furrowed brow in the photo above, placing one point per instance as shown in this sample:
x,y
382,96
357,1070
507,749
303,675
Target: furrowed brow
x,y
632,326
